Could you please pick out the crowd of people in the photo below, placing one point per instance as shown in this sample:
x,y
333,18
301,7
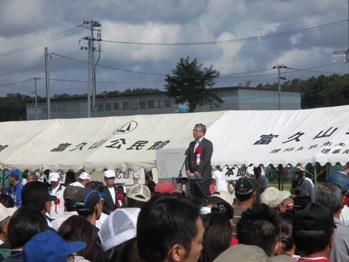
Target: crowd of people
x,y
85,220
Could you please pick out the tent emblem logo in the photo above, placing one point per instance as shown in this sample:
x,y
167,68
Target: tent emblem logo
x,y
127,128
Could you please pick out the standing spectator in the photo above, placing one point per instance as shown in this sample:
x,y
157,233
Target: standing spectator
x,y
261,182
16,186
274,198
217,236
24,224
83,180
56,189
301,182
48,247
169,228
138,195
77,228
91,207
330,196
35,195
5,216
109,192
72,195
313,229
198,165
118,235
219,180
245,193
258,232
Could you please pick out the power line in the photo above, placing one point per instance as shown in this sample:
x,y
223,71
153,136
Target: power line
x,y
111,67
16,82
39,43
251,38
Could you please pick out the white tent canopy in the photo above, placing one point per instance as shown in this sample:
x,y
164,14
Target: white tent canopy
x,y
239,137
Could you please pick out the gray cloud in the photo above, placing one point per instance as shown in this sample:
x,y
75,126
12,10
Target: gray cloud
x,y
32,23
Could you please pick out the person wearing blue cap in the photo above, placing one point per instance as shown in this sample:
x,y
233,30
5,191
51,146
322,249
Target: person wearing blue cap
x,y
16,187
49,247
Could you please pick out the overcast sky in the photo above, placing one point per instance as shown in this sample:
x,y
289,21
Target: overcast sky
x,y
246,39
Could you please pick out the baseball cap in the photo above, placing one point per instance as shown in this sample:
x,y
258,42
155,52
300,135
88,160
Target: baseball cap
x,y
273,197
339,178
165,187
109,173
48,246
225,196
244,186
74,193
140,193
313,217
84,175
54,177
118,227
15,173
6,212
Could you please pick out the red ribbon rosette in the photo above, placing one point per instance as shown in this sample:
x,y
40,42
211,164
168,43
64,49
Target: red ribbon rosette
x,y
198,150
57,201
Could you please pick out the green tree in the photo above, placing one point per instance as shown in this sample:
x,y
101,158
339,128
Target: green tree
x,y
191,83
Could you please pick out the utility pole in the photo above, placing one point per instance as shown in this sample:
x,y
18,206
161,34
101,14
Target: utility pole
x,y
92,26
36,97
279,68
47,82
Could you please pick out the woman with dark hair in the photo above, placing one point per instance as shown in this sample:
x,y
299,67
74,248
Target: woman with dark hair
x,y
24,224
217,236
286,237
77,228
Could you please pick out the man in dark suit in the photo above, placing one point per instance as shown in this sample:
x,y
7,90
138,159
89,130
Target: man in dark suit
x,y
109,192
198,164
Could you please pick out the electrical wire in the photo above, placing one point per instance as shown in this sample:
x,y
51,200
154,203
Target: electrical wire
x,y
40,42
251,38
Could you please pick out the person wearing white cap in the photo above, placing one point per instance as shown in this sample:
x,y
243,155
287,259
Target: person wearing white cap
x,y
5,215
109,192
56,189
274,198
83,179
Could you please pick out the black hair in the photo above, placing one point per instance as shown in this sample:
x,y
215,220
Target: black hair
x,y
286,235
259,226
134,203
24,224
35,195
221,206
77,228
125,252
217,236
6,200
164,221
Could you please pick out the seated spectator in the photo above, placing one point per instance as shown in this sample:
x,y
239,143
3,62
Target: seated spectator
x,y
24,224
35,195
77,228
313,229
169,228
16,186
138,195
217,236
118,235
274,198
259,229
48,247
